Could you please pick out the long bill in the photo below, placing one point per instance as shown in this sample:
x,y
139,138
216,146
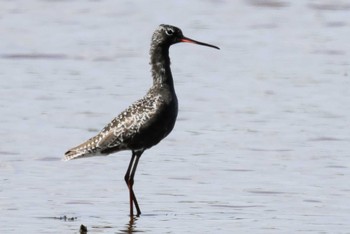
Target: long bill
x,y
189,40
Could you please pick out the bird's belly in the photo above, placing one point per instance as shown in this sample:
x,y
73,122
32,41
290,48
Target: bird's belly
x,y
156,129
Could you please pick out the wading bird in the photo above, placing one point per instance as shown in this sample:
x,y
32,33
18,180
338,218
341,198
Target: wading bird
x,y
147,121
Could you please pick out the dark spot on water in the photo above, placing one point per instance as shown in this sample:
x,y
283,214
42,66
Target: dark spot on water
x,y
195,133
268,3
102,227
330,6
179,178
103,59
336,24
265,192
48,159
34,56
329,52
63,218
269,150
94,130
90,113
312,201
83,229
155,215
8,153
326,139
239,170
188,202
79,202
199,154
337,166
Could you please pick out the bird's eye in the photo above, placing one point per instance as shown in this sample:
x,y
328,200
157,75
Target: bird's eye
x,y
169,31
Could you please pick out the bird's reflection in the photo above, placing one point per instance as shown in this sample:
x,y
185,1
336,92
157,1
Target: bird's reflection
x,y
130,227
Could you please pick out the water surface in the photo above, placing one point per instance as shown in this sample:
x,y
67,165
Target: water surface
x,y
261,144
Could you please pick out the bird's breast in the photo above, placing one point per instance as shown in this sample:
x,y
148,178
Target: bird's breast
x,y
161,118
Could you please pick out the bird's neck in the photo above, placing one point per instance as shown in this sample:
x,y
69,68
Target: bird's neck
x,y
160,63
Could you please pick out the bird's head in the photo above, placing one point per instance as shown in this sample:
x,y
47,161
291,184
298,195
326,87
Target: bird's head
x,y
167,35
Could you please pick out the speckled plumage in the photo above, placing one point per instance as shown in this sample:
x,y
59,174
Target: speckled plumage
x,y
146,122
127,130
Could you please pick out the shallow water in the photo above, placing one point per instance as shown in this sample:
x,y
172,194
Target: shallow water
x,y
262,139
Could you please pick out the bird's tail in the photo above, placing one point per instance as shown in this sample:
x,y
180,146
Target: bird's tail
x,y
87,149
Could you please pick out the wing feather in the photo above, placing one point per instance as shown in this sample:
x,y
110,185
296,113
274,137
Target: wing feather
x,y
116,135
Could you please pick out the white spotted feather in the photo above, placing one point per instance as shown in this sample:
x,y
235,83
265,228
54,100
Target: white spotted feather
x,y
120,130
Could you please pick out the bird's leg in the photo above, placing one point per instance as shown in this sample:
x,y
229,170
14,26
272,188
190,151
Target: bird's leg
x,y
129,179
126,178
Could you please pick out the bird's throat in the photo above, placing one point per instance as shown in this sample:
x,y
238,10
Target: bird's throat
x,y
160,63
